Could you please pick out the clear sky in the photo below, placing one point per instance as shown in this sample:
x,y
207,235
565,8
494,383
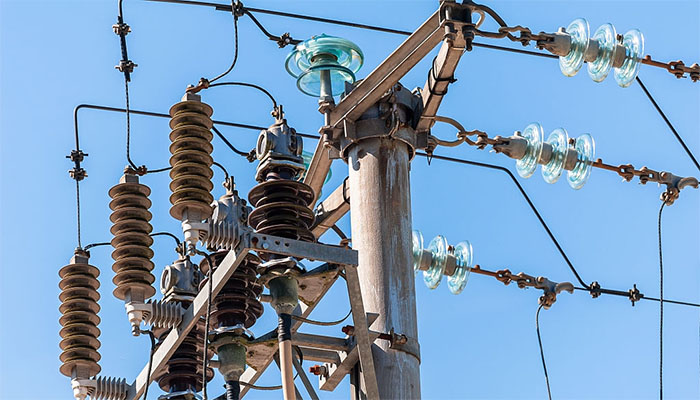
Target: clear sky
x,y
480,344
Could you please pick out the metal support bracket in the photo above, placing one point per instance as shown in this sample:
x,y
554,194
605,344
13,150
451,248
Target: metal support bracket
x,y
332,209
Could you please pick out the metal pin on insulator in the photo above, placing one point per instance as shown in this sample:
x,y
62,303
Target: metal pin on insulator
x,y
79,320
132,252
191,161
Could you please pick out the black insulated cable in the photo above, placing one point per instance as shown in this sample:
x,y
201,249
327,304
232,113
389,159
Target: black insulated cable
x,y
525,196
539,340
282,40
150,361
251,85
234,11
661,310
284,327
668,123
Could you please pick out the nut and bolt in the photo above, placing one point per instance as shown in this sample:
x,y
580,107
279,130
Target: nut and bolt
x,y
319,370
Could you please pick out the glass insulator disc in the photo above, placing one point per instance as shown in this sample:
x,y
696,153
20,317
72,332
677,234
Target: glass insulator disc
x,y
464,255
559,140
438,247
585,149
341,57
571,63
417,249
307,156
527,165
599,68
633,41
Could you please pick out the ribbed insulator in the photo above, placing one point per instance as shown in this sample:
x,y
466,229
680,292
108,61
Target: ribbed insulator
x,y
184,369
79,318
282,209
237,302
164,314
222,235
191,159
131,228
107,388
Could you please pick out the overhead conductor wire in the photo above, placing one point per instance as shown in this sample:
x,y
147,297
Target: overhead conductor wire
x,y
539,340
661,310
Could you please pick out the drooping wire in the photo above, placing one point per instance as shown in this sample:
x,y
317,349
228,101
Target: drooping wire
x,y
250,156
234,11
539,340
251,85
222,169
322,323
150,362
661,310
177,241
668,123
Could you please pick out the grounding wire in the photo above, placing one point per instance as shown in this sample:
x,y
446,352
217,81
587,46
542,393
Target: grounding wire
x,y
661,310
539,340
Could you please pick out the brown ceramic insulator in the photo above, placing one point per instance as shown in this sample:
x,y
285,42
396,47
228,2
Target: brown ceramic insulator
x,y
191,159
79,318
132,244
237,303
282,209
184,369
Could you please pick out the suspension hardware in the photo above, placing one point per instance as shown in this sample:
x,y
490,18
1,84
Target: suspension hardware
x,y
191,165
77,172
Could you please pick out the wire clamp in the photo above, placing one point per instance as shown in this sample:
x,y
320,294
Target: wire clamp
x,y
594,289
635,295
121,29
126,66
77,172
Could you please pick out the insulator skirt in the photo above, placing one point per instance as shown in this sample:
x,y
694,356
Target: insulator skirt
x,y
191,159
131,228
237,302
79,318
184,369
282,209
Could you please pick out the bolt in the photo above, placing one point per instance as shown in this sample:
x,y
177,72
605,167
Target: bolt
x,y
318,370
348,330
265,246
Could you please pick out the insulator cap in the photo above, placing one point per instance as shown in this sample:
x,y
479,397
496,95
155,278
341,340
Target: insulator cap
x,y
131,228
79,318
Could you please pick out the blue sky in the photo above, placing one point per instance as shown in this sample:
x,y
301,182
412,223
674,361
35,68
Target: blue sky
x,y
480,344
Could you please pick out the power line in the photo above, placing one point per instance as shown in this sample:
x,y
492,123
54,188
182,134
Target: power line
x,y
661,310
539,340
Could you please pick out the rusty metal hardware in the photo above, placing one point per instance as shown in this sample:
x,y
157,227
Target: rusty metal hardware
x,y
674,184
544,40
550,288
677,68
